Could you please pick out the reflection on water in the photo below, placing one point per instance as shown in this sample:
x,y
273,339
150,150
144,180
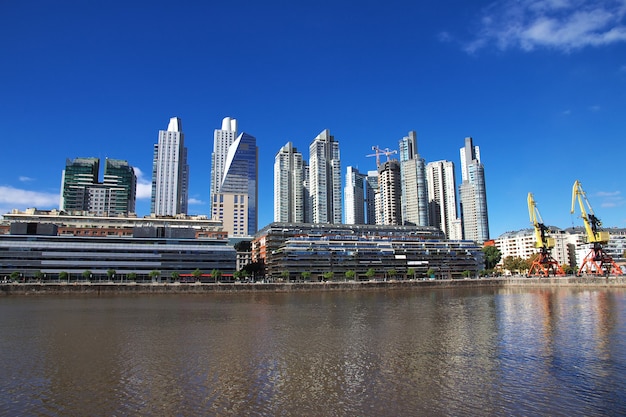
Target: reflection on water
x,y
421,352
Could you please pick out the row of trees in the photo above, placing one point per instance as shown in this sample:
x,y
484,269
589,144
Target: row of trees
x,y
514,264
113,275
369,274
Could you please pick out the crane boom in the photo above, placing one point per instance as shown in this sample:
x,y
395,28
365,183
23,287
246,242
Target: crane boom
x,y
544,263
387,152
597,261
592,223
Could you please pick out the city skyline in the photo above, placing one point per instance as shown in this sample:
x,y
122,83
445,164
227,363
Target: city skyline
x,y
534,98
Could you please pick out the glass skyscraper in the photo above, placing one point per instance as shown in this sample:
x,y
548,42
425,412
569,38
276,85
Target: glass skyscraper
x,y
234,180
82,192
413,178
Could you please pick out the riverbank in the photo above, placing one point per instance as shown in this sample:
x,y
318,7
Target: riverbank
x,y
57,288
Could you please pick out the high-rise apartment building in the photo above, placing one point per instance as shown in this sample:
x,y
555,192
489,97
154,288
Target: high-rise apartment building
x,y
79,174
82,192
170,172
289,192
373,208
354,196
414,188
325,179
234,180
120,178
442,198
390,192
473,194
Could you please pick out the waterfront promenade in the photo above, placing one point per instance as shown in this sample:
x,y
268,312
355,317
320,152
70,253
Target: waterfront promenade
x,y
82,287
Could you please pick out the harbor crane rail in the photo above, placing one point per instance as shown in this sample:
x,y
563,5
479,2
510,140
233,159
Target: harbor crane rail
x,y
597,261
544,263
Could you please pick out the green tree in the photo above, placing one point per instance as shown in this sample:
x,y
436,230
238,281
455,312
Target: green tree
x,y
328,275
175,276
14,276
154,275
370,273
284,275
39,275
64,276
306,276
350,274
392,273
132,276
196,274
430,273
255,269
467,274
492,256
216,274
515,264
87,275
111,274
410,272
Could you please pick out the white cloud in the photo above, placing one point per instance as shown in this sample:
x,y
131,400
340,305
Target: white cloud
x,y
26,179
564,25
195,201
11,198
144,186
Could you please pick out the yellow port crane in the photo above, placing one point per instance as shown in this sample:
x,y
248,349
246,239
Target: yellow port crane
x,y
544,263
597,261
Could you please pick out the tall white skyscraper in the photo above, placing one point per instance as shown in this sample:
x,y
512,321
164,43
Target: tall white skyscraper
x,y
170,172
289,192
222,139
442,198
325,179
414,189
234,180
354,196
473,194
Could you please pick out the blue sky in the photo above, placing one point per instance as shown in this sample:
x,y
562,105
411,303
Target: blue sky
x,y
539,84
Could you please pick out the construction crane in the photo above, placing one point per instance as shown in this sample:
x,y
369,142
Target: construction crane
x,y
597,261
544,263
387,152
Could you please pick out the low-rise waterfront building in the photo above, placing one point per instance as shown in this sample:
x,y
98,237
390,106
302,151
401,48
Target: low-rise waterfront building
x,y
289,248
38,251
570,247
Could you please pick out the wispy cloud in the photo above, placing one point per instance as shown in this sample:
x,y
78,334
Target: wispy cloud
x,y
15,198
26,179
144,185
610,199
563,25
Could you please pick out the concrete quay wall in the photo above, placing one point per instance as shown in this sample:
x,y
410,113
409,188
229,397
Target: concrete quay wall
x,y
87,288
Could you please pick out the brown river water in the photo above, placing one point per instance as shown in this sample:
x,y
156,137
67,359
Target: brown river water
x,y
421,352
